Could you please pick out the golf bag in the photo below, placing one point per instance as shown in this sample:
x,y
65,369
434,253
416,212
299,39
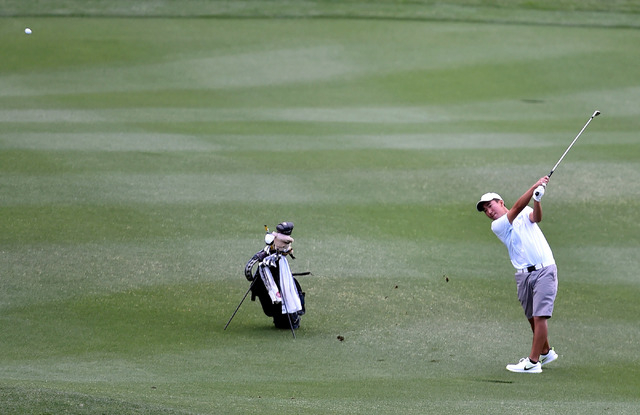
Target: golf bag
x,y
280,294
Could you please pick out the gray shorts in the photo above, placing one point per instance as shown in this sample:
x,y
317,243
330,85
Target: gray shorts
x,y
537,291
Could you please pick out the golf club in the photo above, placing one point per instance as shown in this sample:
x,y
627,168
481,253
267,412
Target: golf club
x,y
595,114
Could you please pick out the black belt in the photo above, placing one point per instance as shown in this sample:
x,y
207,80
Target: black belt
x,y
533,267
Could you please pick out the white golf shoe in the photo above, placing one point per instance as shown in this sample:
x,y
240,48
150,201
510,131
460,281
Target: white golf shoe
x,y
549,357
525,366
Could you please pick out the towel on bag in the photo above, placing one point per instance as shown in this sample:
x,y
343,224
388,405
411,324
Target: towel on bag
x,y
287,295
291,303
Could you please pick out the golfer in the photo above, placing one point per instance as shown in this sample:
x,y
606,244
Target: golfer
x,y
536,273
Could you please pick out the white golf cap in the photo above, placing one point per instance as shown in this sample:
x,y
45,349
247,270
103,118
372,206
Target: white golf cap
x,y
487,197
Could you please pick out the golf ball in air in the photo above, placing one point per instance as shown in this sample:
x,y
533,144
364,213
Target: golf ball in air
x,y
27,31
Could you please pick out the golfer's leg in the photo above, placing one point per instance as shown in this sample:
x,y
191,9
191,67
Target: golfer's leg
x,y
540,341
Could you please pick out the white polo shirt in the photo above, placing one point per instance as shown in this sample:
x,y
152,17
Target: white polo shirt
x,y
524,240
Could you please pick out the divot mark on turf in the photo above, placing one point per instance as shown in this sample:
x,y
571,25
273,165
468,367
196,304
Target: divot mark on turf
x,y
496,381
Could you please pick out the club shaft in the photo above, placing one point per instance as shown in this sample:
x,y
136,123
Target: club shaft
x,y
573,142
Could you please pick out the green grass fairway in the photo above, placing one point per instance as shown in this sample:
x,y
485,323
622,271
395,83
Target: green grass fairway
x,y
141,153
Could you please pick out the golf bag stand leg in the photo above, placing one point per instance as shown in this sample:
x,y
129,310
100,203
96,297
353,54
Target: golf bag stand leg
x,y
242,301
284,303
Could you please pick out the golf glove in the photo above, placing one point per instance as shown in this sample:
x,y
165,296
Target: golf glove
x,y
538,193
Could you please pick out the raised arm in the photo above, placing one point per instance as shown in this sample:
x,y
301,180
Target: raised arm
x,y
523,201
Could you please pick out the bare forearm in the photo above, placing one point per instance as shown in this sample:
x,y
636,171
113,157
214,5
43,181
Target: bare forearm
x,y
521,203
536,215
524,200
